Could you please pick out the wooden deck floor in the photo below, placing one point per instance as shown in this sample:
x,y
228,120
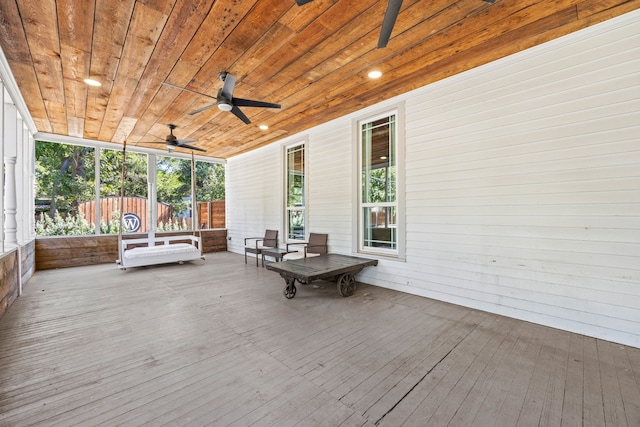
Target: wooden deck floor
x,y
216,343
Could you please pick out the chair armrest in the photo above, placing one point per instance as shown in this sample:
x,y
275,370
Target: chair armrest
x,y
297,243
252,238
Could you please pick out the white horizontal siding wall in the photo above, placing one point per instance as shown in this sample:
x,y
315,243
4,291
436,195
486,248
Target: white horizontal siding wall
x,y
253,196
331,175
522,186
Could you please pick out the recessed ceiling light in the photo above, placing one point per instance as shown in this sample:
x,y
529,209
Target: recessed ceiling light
x,y
375,74
263,127
92,82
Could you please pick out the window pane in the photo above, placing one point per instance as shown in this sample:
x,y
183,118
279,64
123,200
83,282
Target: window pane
x,y
296,224
210,195
380,227
295,208
378,161
174,193
134,203
65,180
295,171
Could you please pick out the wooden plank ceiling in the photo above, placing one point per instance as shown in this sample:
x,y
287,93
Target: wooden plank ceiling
x,y
311,59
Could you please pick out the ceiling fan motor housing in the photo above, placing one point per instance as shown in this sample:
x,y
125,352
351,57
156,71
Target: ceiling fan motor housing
x,y
223,103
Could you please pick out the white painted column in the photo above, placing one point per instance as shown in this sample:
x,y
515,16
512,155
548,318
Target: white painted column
x,y
10,155
20,182
98,214
31,179
2,143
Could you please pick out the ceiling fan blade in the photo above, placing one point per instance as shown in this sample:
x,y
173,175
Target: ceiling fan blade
x,y
235,110
229,84
390,16
301,2
190,147
199,110
251,103
188,90
183,141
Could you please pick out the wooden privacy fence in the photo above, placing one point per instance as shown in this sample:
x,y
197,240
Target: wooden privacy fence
x,y
212,214
110,211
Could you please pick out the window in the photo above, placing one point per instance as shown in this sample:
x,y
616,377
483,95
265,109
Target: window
x,y
71,198
174,193
210,195
65,180
134,203
378,185
296,197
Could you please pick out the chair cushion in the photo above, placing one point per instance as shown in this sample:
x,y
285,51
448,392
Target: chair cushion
x,y
297,255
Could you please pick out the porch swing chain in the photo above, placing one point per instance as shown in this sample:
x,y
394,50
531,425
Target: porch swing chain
x,y
195,220
124,173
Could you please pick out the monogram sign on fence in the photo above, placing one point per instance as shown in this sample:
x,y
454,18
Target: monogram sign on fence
x,y
131,222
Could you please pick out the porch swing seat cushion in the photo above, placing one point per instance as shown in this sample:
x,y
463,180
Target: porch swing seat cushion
x,y
159,251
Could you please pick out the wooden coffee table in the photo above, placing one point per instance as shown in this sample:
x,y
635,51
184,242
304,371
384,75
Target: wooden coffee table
x,y
341,268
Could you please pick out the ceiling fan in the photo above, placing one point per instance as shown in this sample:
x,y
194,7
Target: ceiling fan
x,y
172,142
225,100
390,16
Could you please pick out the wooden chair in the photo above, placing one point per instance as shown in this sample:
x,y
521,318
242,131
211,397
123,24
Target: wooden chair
x,y
316,246
270,240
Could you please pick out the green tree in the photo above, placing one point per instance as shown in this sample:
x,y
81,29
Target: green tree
x,y
174,182
381,185
209,181
135,183
64,175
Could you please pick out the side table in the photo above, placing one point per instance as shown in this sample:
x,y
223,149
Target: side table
x,y
275,253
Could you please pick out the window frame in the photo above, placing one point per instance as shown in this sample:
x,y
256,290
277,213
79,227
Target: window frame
x,y
359,221
305,188
151,171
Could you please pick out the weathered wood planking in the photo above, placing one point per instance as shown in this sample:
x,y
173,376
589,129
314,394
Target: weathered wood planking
x,y
312,59
15,265
227,351
9,280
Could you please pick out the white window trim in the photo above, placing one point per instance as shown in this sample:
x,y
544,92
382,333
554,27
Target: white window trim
x,y
285,191
400,252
